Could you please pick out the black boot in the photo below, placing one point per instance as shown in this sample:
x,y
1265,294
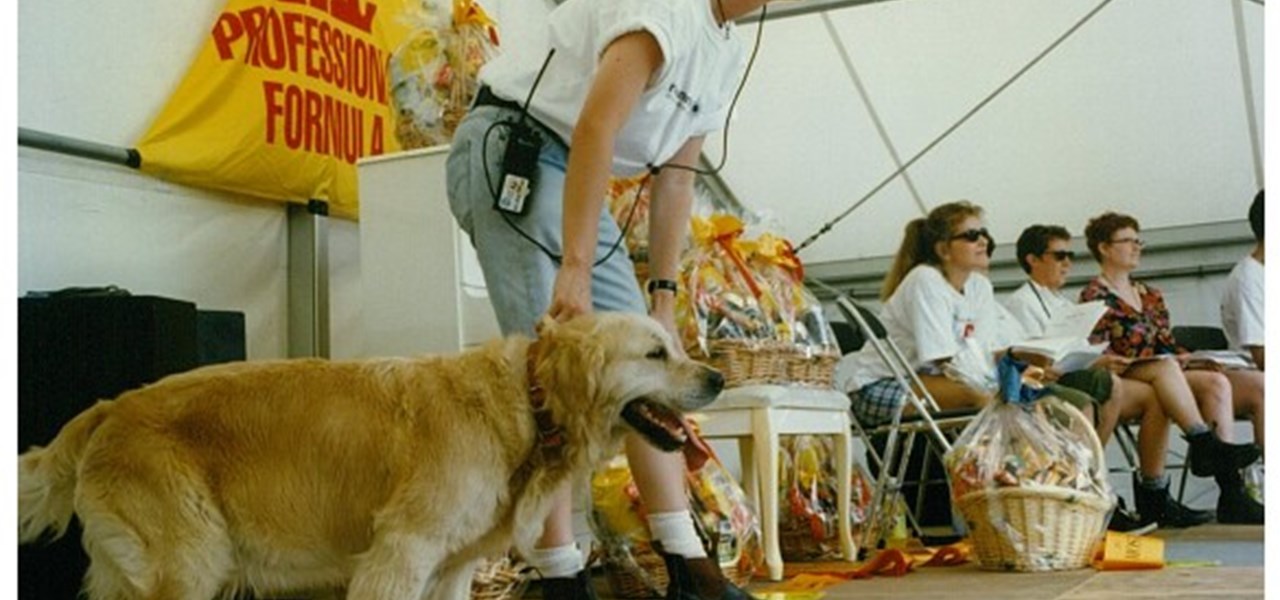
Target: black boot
x,y
697,579
1209,455
1235,505
1124,520
1155,505
577,587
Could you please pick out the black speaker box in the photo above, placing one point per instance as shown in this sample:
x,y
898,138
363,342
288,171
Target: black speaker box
x,y
219,336
73,351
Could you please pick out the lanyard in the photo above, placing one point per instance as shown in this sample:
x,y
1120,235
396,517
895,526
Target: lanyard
x,y
1036,291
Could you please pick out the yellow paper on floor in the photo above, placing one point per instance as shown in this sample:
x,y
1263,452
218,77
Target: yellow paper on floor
x,y
800,587
1124,552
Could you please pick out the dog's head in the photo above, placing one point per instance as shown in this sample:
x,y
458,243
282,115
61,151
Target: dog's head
x,y
608,371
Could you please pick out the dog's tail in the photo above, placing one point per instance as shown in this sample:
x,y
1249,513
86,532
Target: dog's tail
x,y
47,477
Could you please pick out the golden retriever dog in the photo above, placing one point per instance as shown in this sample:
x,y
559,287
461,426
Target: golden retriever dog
x,y
388,477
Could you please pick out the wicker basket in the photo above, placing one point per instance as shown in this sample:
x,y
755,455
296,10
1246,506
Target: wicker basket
x,y
1038,528
770,362
651,582
797,543
499,579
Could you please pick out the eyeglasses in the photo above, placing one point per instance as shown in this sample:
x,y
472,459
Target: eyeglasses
x,y
1137,242
1062,255
971,235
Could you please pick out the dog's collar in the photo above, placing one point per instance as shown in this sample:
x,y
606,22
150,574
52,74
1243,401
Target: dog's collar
x,y
549,435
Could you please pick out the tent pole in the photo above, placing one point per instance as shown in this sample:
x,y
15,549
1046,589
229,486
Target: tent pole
x,y
871,110
783,10
61,144
1246,80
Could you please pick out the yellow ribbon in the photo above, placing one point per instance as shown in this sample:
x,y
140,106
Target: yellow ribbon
x,y
468,13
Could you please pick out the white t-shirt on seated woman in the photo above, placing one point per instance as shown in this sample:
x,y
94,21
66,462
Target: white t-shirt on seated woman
x,y
928,320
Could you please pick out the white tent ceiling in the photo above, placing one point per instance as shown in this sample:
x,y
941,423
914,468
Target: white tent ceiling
x,y
1143,109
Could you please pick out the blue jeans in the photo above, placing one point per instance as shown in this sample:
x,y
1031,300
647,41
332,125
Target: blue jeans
x,y
520,276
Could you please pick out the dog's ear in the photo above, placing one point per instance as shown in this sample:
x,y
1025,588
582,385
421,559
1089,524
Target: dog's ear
x,y
572,358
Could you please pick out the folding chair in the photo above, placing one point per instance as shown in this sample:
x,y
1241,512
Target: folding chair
x,y
1200,337
928,420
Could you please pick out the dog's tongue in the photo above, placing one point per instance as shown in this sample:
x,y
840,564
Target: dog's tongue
x,y
695,448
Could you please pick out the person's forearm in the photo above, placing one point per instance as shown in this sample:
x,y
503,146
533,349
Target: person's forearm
x,y
586,179
669,222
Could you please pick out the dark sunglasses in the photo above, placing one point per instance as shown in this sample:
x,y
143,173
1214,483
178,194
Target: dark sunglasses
x,y
1062,255
971,235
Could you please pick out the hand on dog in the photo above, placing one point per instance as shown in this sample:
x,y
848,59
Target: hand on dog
x,y
662,309
571,295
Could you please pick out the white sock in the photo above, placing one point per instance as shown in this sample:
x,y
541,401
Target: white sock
x,y
676,533
560,561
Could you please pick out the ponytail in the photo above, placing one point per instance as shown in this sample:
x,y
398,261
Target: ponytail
x,y
911,253
920,239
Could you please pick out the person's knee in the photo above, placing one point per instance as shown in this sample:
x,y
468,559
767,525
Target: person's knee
x,y
1210,388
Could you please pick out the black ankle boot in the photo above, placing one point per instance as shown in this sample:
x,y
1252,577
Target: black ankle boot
x,y
697,579
1155,505
577,587
1235,505
1209,455
1124,520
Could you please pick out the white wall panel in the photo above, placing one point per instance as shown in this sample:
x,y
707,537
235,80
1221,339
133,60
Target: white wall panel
x,y
87,224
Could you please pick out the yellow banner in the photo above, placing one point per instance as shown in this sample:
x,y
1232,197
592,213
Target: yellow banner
x,y
287,95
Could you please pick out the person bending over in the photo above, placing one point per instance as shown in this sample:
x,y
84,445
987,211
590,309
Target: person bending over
x,y
633,85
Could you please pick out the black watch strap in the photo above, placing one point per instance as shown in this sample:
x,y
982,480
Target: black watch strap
x,y
662,284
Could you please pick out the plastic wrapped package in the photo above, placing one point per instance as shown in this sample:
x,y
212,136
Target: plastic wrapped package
x,y
1029,478
433,73
743,307
628,201
808,522
726,522
719,296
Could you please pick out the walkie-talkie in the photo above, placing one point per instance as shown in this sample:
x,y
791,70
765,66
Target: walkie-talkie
x,y
519,166
520,160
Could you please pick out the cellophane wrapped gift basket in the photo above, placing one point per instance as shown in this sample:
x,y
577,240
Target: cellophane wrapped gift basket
x,y
807,523
433,73
628,202
501,578
726,522
1029,478
742,306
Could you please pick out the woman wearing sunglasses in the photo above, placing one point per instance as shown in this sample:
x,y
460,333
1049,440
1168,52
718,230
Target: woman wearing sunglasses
x,y
1149,393
935,299
1136,327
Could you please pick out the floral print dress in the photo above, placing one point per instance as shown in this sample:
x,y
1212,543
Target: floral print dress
x,y
1131,332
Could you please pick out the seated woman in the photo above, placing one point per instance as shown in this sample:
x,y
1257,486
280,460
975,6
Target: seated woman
x,y
937,301
1045,255
1136,326
935,298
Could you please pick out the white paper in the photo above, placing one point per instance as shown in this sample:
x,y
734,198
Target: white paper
x,y
1075,322
1229,359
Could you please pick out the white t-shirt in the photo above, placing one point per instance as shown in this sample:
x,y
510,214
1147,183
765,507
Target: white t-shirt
x,y
928,320
689,95
1033,304
1243,305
